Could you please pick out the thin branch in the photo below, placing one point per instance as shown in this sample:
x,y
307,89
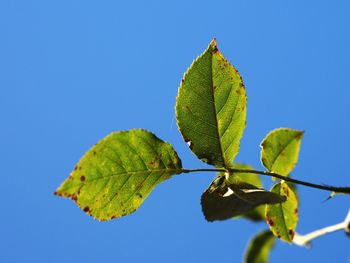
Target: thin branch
x,y
203,170
304,240
343,190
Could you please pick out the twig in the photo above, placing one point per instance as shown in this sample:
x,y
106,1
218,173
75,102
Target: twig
x,y
343,190
304,240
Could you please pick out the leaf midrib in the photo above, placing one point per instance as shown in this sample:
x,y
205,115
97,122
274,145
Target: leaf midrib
x,y
215,113
130,173
283,216
281,151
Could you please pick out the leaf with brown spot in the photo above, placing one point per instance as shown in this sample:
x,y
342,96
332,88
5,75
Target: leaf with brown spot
x,y
117,180
210,108
283,218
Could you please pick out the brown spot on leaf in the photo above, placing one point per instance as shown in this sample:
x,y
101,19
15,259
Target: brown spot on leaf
x,y
300,135
139,195
271,222
75,168
285,190
82,178
86,209
296,211
94,152
291,233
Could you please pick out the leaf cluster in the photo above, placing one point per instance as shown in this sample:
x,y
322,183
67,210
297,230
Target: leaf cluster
x,y
118,173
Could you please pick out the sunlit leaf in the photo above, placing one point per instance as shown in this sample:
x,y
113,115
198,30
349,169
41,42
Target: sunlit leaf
x,y
211,108
221,201
117,174
280,150
259,248
283,218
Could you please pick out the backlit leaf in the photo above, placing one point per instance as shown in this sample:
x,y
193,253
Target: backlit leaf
x,y
280,150
117,174
283,218
211,108
221,201
259,248
249,178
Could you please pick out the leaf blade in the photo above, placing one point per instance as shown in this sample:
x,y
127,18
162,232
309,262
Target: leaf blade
x,y
258,213
259,248
280,150
117,174
250,178
221,201
211,108
283,218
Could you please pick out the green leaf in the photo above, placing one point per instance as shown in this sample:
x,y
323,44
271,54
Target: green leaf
x,y
211,108
249,178
259,248
221,201
258,213
280,150
117,174
283,218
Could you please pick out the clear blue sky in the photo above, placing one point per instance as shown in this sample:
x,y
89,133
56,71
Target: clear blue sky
x,y
73,71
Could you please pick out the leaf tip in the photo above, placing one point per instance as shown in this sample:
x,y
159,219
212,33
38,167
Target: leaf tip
x,y
57,193
213,44
301,133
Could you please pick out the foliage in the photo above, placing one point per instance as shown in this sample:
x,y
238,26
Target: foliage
x,y
117,174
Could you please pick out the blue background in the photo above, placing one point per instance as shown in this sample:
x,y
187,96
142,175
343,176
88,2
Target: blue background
x,y
73,71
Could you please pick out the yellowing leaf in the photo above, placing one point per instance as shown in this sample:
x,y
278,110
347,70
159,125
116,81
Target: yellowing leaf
x,y
211,108
280,150
283,218
117,174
